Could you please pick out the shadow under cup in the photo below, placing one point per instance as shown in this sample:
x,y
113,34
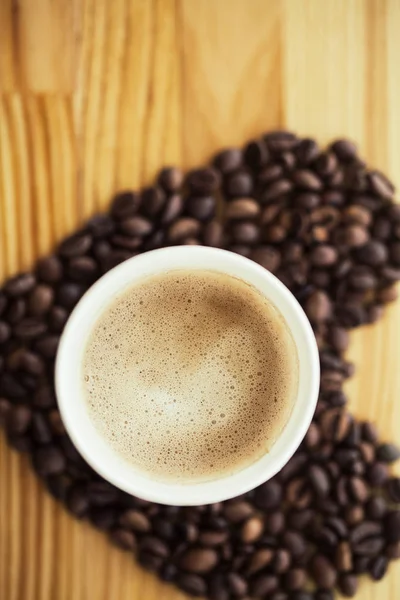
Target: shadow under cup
x,y
94,448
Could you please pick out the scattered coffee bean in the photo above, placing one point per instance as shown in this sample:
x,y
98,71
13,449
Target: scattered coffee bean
x,y
49,270
393,488
228,160
40,300
199,560
252,530
326,226
388,453
19,285
348,585
192,584
171,179
125,204
323,572
49,460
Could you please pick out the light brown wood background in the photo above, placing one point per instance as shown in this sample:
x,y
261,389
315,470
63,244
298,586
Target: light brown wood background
x,y
96,95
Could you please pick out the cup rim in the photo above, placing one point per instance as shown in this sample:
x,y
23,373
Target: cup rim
x,y
100,456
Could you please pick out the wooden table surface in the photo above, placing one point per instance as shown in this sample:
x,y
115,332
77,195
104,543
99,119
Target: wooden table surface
x,y
96,95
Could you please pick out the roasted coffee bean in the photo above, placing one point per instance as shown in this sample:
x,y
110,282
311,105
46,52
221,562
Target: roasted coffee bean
x,y
245,233
393,551
203,181
29,329
323,256
49,270
5,332
345,150
3,302
49,460
82,268
135,520
238,511
201,207
318,307
275,523
19,285
262,586
18,420
239,183
228,160
252,530
41,431
76,245
125,204
373,253
335,424
68,294
172,209
213,234
136,227
344,557
276,189
259,560
378,567
40,300
358,490
319,480
323,572
124,539
125,241
268,496
103,518
11,387
392,526
198,560
348,585
294,542
281,562
44,397
55,422
274,234
393,489
101,226
242,208
256,153
281,141
301,595
388,453
381,185
307,180
377,474
266,256
387,294
213,538
171,179
294,579
307,151
237,585
30,363
376,508
183,228
192,584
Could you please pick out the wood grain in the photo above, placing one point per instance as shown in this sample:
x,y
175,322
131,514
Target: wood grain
x,y
96,96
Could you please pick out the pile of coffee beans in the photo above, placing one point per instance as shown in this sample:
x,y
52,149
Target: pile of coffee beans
x,y
327,226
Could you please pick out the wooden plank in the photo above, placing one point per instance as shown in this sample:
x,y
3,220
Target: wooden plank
x,y
95,96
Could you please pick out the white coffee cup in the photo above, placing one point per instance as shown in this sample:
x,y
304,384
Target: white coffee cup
x,y
94,448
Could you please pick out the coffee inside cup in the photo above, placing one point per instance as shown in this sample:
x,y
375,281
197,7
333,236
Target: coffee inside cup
x,y
190,376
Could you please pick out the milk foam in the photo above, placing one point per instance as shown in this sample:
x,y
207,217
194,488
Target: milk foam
x,y
190,376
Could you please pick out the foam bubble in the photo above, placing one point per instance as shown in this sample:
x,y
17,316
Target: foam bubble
x,y
190,375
